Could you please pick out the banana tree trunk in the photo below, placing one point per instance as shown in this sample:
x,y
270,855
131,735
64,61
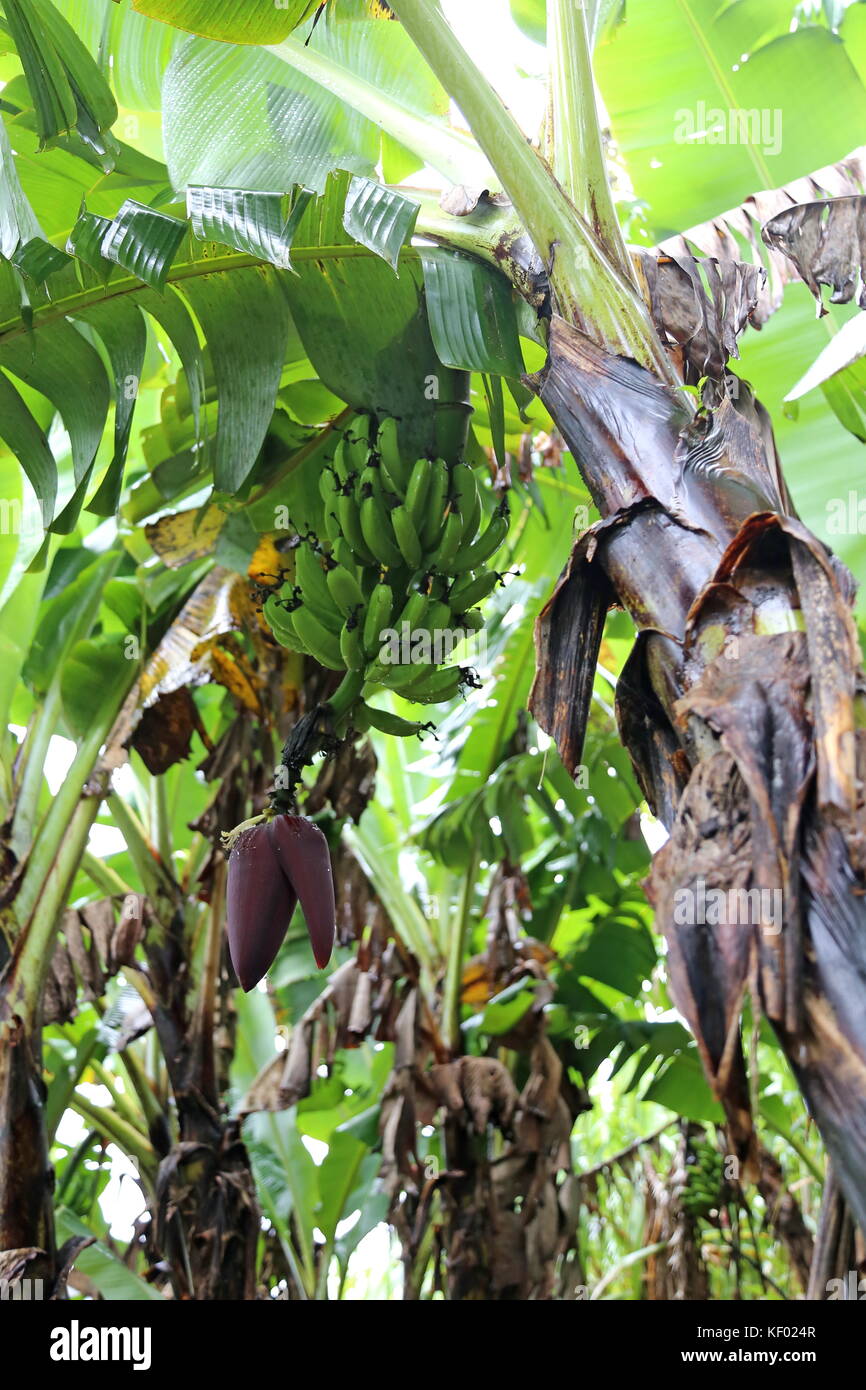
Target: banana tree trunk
x,y
31,923
737,706
206,1216
26,1179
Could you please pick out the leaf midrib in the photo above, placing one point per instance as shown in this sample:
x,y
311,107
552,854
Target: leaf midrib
x,y
724,86
188,270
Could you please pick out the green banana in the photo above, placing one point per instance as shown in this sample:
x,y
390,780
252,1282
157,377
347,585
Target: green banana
x,y
412,623
390,486
434,507
440,685
378,673
416,493
435,561
344,555
399,678
375,529
279,620
333,529
377,619
328,487
406,536
295,640
467,500
352,646
350,525
315,593
341,463
414,612
487,544
421,616
388,448
471,589
319,641
357,444
449,544
369,482
345,590
388,723
438,617
473,621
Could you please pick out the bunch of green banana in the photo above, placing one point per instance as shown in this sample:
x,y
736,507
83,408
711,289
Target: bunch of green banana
x,y
395,579
705,1180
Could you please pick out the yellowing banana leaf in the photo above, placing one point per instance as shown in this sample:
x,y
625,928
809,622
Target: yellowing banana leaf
x,y
218,605
185,536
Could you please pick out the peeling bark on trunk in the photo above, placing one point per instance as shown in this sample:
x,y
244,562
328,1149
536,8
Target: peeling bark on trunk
x,y
738,709
506,1220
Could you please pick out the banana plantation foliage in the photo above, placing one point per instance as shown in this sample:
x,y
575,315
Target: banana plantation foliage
x,y
433,757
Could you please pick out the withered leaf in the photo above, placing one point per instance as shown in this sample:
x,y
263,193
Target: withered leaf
x,y
164,732
724,236
701,305
184,536
826,243
182,656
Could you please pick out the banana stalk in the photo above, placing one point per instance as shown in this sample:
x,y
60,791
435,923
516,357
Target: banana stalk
x,y
30,927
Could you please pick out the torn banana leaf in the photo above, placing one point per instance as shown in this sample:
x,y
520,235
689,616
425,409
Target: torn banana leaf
x,y
735,235
826,244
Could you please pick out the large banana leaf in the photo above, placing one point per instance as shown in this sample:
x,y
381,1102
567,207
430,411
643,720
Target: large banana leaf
x,y
236,21
365,330
670,74
133,49
18,222
285,127
69,91
379,218
472,312
228,297
59,180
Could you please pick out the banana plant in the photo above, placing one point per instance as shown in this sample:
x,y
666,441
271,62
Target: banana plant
x,y
690,497
687,506
493,1007
163,1042
739,707
79,637
48,636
